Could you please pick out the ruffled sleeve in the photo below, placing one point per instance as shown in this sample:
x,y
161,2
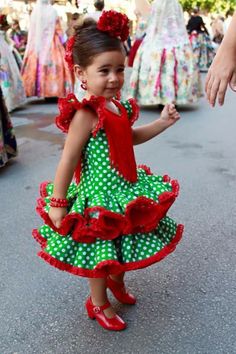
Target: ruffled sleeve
x,y
69,105
132,109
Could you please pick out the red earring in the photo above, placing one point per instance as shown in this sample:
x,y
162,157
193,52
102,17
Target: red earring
x,y
118,96
84,85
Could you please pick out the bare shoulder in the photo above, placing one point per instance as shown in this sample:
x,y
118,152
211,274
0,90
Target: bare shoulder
x,y
84,119
79,131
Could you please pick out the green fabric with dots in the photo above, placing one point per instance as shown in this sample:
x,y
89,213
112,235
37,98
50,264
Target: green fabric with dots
x,y
129,248
102,186
128,107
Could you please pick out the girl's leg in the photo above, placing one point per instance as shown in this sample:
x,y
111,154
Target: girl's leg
x,y
99,294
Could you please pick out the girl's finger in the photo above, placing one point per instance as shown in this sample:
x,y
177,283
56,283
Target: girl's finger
x,y
172,111
171,107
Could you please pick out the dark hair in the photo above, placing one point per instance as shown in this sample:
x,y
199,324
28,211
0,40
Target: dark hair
x,y
75,16
229,13
89,42
196,10
99,5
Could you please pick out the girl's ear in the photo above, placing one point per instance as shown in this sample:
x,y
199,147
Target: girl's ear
x,y
79,72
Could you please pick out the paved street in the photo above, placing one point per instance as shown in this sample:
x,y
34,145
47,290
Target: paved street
x,y
186,304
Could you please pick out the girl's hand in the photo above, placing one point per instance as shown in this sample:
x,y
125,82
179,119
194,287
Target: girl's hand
x,y
169,115
57,215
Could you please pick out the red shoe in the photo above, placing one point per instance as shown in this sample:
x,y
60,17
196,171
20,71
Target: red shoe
x,y
96,312
120,293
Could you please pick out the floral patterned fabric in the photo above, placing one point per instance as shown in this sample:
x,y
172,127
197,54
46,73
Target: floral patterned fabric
x,y
10,77
113,225
165,76
203,50
164,69
8,147
46,74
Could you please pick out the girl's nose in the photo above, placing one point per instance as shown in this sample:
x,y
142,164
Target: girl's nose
x,y
113,77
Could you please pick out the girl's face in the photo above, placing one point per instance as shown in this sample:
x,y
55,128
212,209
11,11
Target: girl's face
x,y
105,76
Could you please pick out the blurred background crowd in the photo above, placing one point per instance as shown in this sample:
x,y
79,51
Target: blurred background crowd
x,y
173,41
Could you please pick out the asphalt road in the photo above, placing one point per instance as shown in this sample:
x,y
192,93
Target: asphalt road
x,y
186,303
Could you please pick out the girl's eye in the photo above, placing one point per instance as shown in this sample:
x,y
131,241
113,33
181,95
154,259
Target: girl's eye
x,y
104,71
120,70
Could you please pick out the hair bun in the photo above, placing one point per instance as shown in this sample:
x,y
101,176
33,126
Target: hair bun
x,y
88,22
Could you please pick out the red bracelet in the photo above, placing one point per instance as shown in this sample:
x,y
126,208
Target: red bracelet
x,y
58,202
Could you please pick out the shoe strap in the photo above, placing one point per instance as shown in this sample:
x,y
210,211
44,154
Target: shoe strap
x,y
105,306
98,309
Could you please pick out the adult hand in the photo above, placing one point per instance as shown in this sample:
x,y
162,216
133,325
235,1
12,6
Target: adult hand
x,y
222,72
232,83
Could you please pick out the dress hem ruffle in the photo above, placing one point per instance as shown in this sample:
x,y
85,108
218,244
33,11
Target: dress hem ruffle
x,y
108,267
140,215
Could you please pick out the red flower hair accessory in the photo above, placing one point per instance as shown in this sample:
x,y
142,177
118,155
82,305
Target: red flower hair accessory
x,y
69,56
115,24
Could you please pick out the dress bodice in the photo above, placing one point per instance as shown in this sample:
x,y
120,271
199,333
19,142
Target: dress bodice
x,y
118,152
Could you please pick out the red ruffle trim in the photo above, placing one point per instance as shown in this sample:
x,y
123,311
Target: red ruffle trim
x,y
108,226
69,105
71,222
108,267
40,239
141,215
147,170
43,189
166,178
135,110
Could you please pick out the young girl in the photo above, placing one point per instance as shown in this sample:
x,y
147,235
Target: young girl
x,y
113,218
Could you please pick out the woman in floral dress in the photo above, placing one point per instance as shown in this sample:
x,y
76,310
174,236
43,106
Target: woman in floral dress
x,y
10,77
201,41
8,147
164,68
44,72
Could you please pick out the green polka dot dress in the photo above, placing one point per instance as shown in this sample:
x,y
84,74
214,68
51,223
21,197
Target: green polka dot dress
x,y
113,224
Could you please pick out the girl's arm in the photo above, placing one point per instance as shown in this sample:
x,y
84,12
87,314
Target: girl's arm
x,y
80,129
169,116
223,68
